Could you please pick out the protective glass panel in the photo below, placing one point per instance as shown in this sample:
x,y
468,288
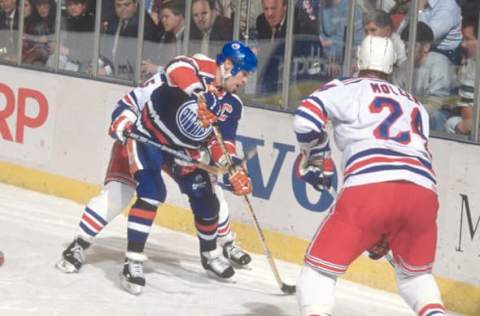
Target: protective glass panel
x,y
118,39
9,29
308,65
39,33
164,34
437,57
77,36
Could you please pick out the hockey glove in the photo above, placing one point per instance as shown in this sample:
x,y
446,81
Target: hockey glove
x,y
318,172
209,109
380,249
122,125
240,182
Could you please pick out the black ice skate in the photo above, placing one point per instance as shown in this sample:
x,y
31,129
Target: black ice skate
x,y
237,256
217,266
73,257
132,277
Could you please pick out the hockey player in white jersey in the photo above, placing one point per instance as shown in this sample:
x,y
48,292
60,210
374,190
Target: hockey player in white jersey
x,y
389,189
119,189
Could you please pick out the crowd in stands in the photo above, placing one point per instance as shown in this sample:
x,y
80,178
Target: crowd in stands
x,y
444,52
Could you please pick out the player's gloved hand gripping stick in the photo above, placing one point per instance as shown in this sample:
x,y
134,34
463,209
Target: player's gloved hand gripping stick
x,y
177,154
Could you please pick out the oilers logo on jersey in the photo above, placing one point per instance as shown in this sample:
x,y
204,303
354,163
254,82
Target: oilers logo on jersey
x,y
188,123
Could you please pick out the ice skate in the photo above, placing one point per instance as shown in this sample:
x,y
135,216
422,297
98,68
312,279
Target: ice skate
x,y
73,257
217,266
236,255
132,277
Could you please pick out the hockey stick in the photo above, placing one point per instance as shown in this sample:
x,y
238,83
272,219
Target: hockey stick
x,y
285,288
177,154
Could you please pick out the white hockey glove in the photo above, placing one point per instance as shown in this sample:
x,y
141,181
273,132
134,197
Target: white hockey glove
x,y
318,171
122,125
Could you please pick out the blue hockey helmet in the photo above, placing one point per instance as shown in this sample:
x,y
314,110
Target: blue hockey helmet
x,y
242,57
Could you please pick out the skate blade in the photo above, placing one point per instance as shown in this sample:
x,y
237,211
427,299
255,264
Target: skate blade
x,y
66,267
212,275
131,288
240,266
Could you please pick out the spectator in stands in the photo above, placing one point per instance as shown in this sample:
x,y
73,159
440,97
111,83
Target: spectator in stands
x,y
8,15
460,120
209,26
78,18
172,19
271,29
432,80
8,29
76,42
37,44
445,19
118,43
333,25
271,23
379,23
311,8
44,23
155,10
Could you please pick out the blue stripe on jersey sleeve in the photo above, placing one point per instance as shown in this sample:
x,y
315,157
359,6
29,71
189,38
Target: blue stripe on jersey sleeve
x,y
310,118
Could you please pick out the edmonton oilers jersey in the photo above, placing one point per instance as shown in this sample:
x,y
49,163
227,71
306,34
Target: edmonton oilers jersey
x,y
170,117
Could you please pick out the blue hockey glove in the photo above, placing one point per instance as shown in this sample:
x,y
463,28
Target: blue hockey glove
x,y
318,172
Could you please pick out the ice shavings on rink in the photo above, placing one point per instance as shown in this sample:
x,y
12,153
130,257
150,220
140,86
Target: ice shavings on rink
x,y
35,228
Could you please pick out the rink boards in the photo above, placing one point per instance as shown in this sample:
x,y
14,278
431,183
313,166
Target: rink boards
x,y
54,140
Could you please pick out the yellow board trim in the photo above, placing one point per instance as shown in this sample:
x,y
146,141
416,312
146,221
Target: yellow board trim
x,y
458,296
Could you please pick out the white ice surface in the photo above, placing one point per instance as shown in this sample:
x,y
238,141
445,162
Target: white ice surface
x,y
35,228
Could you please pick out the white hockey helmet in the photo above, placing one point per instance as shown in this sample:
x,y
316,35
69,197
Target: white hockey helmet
x,y
376,53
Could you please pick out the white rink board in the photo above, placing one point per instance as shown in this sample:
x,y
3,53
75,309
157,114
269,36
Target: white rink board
x,y
73,142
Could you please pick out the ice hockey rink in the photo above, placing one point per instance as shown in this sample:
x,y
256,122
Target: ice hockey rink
x,y
35,228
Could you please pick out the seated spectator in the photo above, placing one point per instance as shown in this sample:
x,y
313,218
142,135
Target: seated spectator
x,y
460,121
209,26
432,80
333,25
8,29
119,39
172,19
445,19
271,31
310,7
37,43
78,18
76,44
379,23
271,23
155,10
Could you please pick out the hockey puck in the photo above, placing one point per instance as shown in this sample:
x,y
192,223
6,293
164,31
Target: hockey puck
x,y
2,258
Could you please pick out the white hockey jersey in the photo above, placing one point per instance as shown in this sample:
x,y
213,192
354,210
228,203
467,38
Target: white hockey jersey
x,y
381,129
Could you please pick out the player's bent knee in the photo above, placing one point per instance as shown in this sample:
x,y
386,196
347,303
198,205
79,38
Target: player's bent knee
x,y
315,292
119,196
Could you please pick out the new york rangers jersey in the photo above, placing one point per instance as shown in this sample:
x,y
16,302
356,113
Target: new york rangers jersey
x,y
381,130
167,108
